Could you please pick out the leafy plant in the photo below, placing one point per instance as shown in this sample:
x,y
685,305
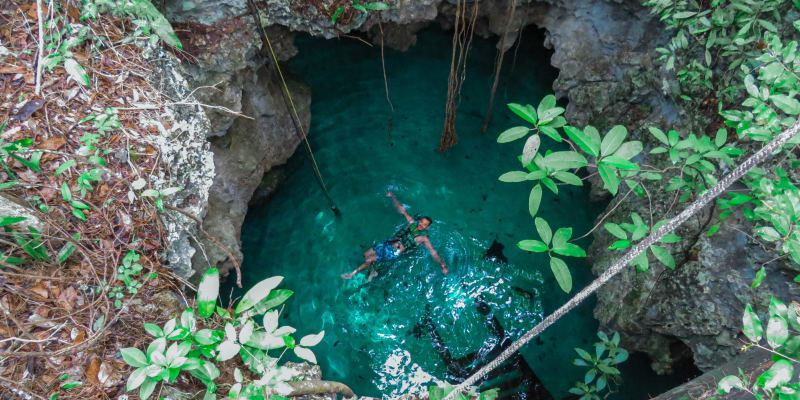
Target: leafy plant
x,y
126,273
358,5
602,372
440,391
218,336
782,341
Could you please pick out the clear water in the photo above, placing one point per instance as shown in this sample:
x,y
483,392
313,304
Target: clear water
x,y
374,341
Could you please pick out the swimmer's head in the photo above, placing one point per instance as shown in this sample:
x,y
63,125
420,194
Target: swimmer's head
x,y
424,223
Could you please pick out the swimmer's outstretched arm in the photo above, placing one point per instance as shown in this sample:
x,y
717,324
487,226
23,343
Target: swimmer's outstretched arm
x,y
400,207
425,241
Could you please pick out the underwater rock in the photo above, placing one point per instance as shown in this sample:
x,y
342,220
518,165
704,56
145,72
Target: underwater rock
x,y
495,253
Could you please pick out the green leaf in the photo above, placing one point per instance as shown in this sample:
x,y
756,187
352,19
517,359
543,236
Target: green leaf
x,y
147,388
659,135
619,162
5,221
551,132
76,71
534,199
663,255
276,297
609,176
207,293
620,244
760,275
336,14
512,134
729,382
64,166
561,237
613,140
550,184
780,373
768,233
79,204
714,228
513,176
134,357
530,149
568,178
721,138
136,378
66,193
257,293
547,103
526,113
72,384
560,160
629,150
66,250
751,87
149,193
543,228
549,115
751,325
571,250
531,245
615,230
154,330
583,140
561,272
377,6
787,104
777,331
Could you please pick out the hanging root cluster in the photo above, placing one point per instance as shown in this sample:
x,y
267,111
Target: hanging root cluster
x,y
462,40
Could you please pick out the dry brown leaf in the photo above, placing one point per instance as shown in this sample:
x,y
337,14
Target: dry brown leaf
x,y
39,290
92,370
53,143
12,70
79,337
68,297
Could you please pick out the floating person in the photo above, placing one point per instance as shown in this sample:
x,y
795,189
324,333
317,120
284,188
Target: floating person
x,y
403,240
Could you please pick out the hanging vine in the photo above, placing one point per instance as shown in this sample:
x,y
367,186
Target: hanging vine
x,y
462,40
498,62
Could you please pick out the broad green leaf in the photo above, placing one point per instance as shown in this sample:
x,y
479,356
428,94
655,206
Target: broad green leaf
x,y
584,354
729,382
534,199
629,150
610,179
547,103
549,115
79,204
64,166
535,246
751,87
560,160
512,134
134,357
154,330
721,138
136,378
777,307
147,388
613,140
561,272
551,184
777,331
543,228
659,135
513,176
561,237
227,350
526,113
530,149
619,162
312,340
205,337
620,244
257,293
768,233
615,230
276,297
76,71
787,104
207,293
66,193
5,221
568,178
780,373
305,354
551,132
377,6
760,275
751,325
571,250
584,141
663,255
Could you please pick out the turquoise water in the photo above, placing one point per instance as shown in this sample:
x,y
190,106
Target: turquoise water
x,y
375,341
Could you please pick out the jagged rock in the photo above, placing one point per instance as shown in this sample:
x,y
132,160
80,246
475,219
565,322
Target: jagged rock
x,y
183,129
11,207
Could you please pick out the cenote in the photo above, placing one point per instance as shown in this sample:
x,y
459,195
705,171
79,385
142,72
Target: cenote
x,y
412,325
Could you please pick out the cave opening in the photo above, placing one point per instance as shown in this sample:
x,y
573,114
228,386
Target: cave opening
x,y
412,325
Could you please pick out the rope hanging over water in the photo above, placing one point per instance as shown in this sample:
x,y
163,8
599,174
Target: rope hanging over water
x,y
289,103
462,40
498,62
692,209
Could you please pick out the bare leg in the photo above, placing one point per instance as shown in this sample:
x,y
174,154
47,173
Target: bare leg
x,y
369,258
372,274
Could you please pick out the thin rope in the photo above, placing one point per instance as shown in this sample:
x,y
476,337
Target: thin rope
x,y
498,64
692,209
295,118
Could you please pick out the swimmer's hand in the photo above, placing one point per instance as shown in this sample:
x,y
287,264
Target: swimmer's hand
x,y
389,194
444,270
349,275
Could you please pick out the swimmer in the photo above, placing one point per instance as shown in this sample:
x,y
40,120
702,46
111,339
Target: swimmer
x,y
402,240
